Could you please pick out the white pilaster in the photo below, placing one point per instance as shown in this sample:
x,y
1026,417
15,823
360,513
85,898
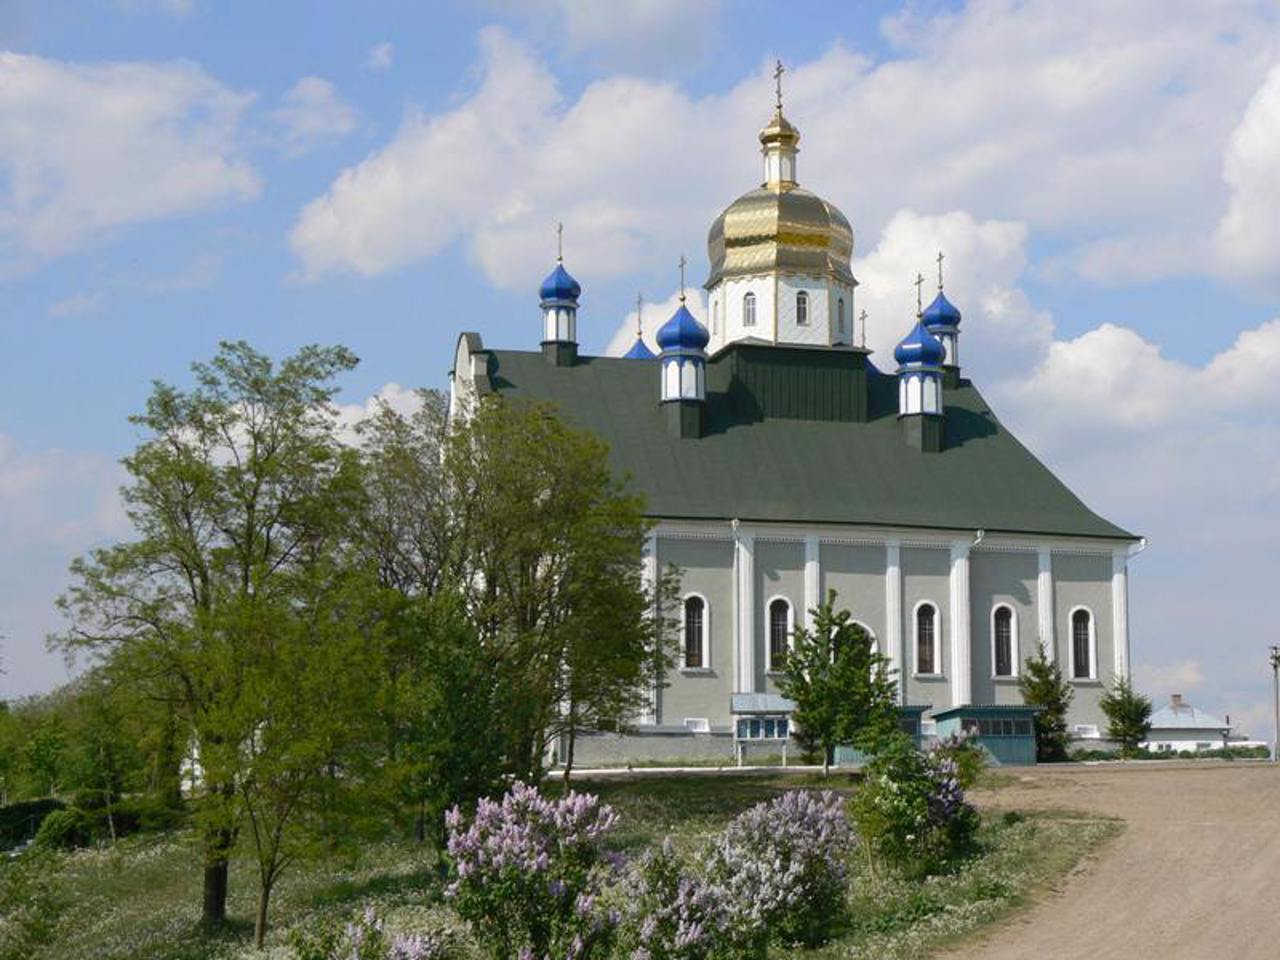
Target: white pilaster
x,y
812,578
744,610
1044,603
649,578
1120,609
893,614
961,671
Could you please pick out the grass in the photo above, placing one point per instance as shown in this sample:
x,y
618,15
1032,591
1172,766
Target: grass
x,y
140,899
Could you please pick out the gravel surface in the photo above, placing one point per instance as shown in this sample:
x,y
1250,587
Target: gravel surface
x,y
1195,874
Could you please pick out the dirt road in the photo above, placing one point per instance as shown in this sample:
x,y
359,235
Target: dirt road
x,y
1194,876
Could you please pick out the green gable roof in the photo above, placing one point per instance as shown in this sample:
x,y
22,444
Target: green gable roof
x,y
777,448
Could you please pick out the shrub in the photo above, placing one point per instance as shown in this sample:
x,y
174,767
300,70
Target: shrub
x,y
673,913
31,907
20,821
527,873
781,868
963,750
912,811
64,830
364,938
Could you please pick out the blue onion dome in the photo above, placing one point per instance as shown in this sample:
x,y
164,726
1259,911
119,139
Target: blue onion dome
x,y
559,285
919,347
682,331
638,351
941,313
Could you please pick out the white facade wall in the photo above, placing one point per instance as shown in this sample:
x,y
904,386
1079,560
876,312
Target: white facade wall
x,y
775,314
882,577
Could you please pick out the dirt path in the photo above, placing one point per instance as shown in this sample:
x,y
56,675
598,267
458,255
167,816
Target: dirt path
x,y
1194,876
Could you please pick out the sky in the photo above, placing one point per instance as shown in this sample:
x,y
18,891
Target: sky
x,y
385,174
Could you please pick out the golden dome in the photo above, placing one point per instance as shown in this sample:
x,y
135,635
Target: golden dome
x,y
780,227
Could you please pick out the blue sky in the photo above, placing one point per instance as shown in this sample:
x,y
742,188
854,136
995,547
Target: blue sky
x,y
178,172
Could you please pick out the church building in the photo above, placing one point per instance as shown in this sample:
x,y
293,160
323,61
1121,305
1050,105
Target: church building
x,y
779,463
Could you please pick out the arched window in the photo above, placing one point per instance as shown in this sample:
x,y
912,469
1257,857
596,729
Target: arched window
x,y
695,617
840,316
802,308
749,310
715,317
779,633
1081,645
1002,638
926,638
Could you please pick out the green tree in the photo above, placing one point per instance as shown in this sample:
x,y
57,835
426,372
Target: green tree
x,y
1042,685
45,754
545,547
843,690
448,704
236,482
1128,715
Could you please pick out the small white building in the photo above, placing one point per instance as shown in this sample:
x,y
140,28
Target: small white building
x,y
1180,726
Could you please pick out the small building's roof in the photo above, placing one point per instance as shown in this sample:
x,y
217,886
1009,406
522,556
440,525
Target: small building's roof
x,y
781,445
1177,714
639,351
740,703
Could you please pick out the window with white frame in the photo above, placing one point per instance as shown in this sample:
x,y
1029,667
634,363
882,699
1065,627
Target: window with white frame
x,y
779,633
927,639
695,633
1003,659
802,308
749,310
1082,645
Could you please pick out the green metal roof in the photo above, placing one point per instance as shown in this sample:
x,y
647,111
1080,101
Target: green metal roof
x,y
776,448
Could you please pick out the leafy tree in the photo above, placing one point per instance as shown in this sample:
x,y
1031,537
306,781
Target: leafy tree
x,y
1042,685
447,705
842,688
45,750
234,487
1128,715
545,548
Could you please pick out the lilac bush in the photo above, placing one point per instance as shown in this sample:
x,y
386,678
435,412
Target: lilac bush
x,y
365,938
673,913
780,868
528,871
912,810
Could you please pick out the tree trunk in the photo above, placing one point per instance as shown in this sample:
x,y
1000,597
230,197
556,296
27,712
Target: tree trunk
x,y
826,760
568,757
214,913
260,921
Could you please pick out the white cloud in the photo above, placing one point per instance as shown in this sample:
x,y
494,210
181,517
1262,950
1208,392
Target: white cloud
x,y
54,505
1077,120
654,316
380,56
983,261
76,305
1249,234
312,111
640,36
84,148
403,400
1163,679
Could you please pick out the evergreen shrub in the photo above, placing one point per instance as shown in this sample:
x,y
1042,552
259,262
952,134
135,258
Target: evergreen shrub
x,y
20,821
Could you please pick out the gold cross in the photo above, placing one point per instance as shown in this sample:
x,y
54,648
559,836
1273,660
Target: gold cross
x,y
939,271
919,294
559,243
682,263
777,79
